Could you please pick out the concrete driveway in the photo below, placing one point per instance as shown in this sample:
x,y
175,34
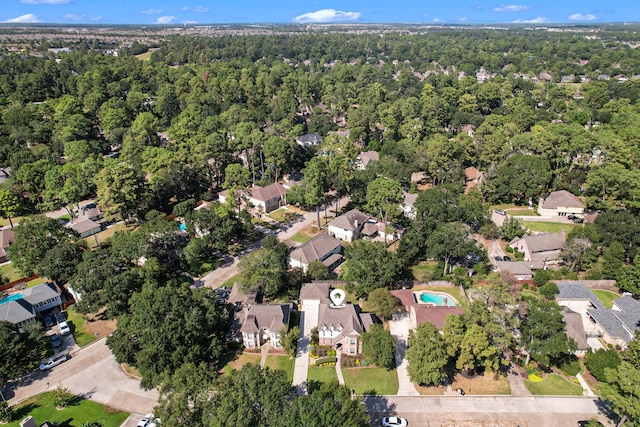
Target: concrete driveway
x,y
399,327
93,373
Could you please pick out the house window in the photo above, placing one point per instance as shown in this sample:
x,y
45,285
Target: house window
x,y
352,341
352,350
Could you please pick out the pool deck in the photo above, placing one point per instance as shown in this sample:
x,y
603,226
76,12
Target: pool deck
x,y
447,297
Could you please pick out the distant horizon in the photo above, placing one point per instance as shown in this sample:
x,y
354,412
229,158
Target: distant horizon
x,y
248,12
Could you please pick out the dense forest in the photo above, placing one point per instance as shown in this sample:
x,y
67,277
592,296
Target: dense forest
x,y
148,128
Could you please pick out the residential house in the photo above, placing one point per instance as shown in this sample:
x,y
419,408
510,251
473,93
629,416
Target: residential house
x,y
30,302
408,205
5,174
473,178
340,327
90,211
365,158
616,326
560,203
84,226
309,140
348,226
545,247
604,77
322,248
268,198
6,239
264,322
574,328
567,79
521,270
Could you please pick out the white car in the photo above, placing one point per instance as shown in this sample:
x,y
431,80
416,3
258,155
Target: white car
x,y
394,422
54,361
64,328
145,421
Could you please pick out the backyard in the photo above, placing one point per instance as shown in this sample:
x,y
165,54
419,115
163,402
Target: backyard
x,y
606,297
9,272
378,381
548,227
553,385
41,408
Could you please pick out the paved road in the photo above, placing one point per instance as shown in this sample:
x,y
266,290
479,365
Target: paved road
x,y
94,373
503,411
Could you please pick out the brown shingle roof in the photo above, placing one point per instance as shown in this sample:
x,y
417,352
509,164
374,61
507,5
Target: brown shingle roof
x,y
368,156
351,220
562,199
545,242
272,317
574,328
346,318
435,315
316,249
6,239
271,191
316,290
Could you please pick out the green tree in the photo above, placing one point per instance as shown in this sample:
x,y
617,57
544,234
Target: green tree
x,y
62,397
378,347
382,303
369,266
384,196
511,228
427,355
449,243
167,328
315,184
622,391
599,361
21,352
476,351
318,271
6,412
263,269
60,262
10,205
289,340
119,189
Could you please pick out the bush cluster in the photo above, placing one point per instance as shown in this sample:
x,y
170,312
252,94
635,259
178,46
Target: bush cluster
x,y
326,361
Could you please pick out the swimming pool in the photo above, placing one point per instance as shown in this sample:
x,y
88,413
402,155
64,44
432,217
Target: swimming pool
x,y
11,298
442,300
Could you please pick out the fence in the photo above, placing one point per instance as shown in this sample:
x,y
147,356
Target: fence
x,y
17,283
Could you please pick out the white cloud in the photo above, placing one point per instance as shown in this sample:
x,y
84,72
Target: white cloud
x,y
29,18
511,8
197,9
463,19
74,17
327,15
151,11
45,1
436,20
538,20
165,20
581,17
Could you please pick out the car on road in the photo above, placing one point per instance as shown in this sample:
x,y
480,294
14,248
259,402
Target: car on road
x,y
48,321
53,361
56,341
501,212
394,422
506,258
578,220
64,328
498,258
587,423
145,421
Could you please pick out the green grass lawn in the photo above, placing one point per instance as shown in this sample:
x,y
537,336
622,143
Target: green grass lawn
x,y
10,272
606,297
281,363
41,408
36,282
237,361
5,221
300,238
371,380
323,374
229,283
77,324
522,212
104,235
530,295
548,227
424,270
553,385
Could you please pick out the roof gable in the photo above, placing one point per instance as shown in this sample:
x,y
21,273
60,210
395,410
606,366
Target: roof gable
x,y
545,242
561,198
578,291
316,249
350,221
40,293
16,311
272,191
271,317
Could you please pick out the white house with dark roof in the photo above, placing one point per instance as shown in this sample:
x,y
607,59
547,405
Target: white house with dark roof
x,y
322,248
309,140
560,203
30,303
19,312
265,322
408,205
348,226
268,198
545,247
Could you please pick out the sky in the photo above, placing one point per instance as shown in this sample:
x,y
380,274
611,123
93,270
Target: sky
x,y
176,12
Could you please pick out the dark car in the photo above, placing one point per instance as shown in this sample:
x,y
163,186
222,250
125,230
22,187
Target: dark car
x,y
48,321
56,341
506,258
59,317
578,220
498,258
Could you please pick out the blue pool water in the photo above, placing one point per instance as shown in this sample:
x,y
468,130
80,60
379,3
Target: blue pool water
x,y
437,299
11,298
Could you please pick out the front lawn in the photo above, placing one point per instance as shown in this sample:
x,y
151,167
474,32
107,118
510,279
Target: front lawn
x,y
323,374
41,408
238,360
300,238
104,235
230,282
378,381
605,297
487,383
522,212
77,323
548,227
280,363
553,385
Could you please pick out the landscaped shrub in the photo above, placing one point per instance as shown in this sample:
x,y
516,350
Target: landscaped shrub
x,y
6,412
535,378
508,249
326,361
571,367
597,362
63,398
323,351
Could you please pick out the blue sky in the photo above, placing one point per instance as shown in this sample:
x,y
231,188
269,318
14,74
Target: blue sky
x,y
306,11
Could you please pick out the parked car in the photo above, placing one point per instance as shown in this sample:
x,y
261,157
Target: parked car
x,y
56,341
501,212
506,258
578,220
48,321
64,328
59,317
498,258
394,422
571,217
53,361
145,421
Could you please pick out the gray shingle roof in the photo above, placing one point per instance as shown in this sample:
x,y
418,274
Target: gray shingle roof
x,y
271,191
351,220
578,291
316,249
562,199
40,293
628,304
574,328
16,311
609,321
271,317
545,242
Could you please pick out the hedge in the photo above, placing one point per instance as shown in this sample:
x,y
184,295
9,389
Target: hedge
x,y
326,361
